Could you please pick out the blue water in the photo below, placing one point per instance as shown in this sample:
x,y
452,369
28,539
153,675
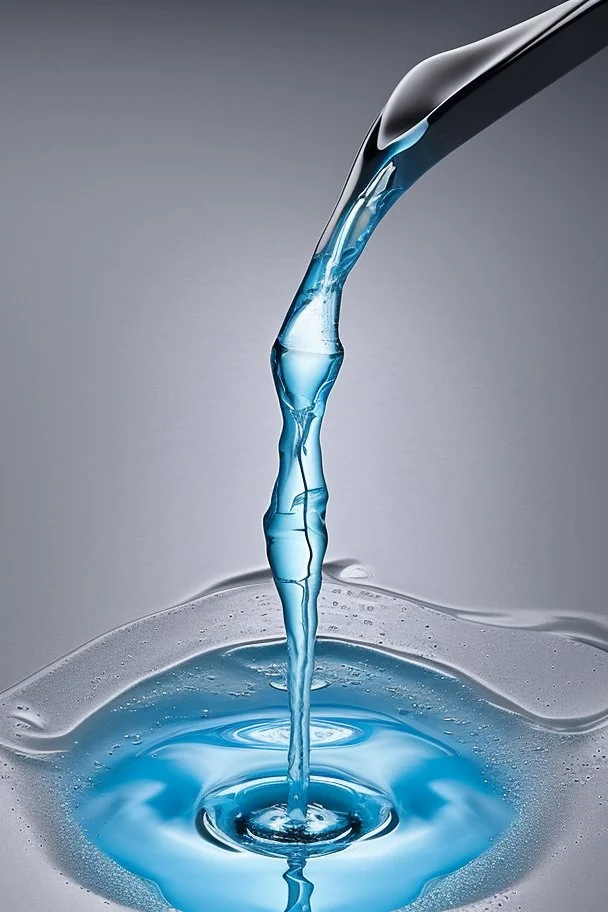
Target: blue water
x,y
174,780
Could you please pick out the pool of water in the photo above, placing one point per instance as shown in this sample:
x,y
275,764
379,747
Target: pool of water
x,y
147,770
192,797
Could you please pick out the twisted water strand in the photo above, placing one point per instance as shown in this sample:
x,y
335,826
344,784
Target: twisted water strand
x,y
306,359
299,889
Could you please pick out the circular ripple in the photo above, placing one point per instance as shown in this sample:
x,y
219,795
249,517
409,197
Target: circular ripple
x,y
323,733
253,815
281,684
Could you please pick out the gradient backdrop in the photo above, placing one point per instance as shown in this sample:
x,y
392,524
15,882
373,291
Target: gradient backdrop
x,y
166,169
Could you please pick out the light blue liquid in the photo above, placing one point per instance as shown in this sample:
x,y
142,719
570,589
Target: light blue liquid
x,y
168,781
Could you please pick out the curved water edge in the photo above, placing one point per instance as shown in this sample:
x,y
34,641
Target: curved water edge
x,y
587,629
579,627
43,711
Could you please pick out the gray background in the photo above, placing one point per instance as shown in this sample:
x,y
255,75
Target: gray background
x,y
166,169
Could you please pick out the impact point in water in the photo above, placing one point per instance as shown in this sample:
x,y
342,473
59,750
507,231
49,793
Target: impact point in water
x,y
253,815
